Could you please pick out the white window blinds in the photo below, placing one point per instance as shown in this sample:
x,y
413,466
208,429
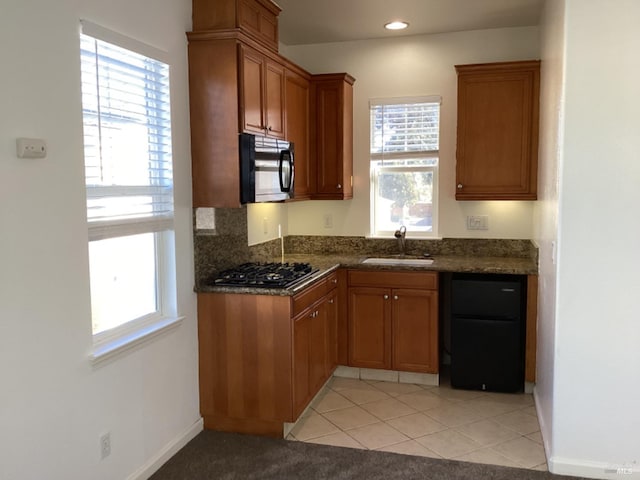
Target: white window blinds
x,y
404,127
127,140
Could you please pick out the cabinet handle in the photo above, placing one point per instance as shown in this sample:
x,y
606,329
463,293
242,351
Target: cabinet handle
x,y
459,185
386,297
339,186
395,297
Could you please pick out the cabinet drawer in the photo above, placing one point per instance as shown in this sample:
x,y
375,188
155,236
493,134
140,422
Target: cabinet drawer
x,y
308,296
332,281
426,280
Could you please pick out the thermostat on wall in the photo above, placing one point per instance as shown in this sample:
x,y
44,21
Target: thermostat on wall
x,y
31,148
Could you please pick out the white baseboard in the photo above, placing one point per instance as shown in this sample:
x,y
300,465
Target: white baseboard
x,y
588,469
582,468
169,450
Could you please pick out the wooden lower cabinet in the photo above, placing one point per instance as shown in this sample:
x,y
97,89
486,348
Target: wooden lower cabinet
x,y
315,349
262,358
414,318
394,327
245,362
301,361
369,327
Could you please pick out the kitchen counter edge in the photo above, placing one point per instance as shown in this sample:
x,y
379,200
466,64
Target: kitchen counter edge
x,y
330,263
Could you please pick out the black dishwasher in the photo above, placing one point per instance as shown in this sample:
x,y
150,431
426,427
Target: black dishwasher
x,y
487,332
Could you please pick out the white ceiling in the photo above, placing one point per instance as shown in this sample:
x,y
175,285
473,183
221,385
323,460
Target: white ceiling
x,y
321,21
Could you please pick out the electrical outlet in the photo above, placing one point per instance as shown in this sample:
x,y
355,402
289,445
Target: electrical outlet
x,y
31,148
328,220
478,222
105,445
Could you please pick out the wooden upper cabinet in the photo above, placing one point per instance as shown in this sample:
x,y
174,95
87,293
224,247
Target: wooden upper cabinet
x,y
252,100
239,83
213,100
497,141
257,18
332,129
232,88
262,94
274,99
297,94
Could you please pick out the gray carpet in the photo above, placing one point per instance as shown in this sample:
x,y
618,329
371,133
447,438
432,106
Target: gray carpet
x,y
226,456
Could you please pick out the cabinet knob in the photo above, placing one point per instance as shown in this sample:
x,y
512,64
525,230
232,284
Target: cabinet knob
x,y
386,297
331,301
459,185
339,185
334,281
395,297
269,128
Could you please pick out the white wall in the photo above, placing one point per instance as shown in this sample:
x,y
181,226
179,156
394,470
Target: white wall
x,y
597,356
53,404
405,66
263,220
546,209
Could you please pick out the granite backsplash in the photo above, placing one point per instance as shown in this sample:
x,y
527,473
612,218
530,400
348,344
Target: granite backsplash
x,y
227,246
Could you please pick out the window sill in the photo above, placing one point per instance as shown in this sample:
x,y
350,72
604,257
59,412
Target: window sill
x,y
115,347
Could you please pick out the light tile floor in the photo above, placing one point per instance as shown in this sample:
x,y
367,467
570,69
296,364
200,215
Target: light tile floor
x,y
438,422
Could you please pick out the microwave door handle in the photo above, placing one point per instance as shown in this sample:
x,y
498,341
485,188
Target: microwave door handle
x,y
285,184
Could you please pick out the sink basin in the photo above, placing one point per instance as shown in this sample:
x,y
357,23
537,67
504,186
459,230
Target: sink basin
x,y
399,261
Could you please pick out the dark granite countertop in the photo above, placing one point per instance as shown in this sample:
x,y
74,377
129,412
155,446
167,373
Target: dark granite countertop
x,y
449,263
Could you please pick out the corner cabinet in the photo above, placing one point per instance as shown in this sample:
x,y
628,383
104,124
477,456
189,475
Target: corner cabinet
x,y
332,134
393,320
497,139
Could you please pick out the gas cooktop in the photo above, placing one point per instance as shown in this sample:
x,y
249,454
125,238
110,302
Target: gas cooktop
x,y
265,275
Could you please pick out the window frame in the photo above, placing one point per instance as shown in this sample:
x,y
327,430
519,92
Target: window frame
x,y
113,341
376,166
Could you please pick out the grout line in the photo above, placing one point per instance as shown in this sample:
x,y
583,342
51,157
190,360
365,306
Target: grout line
x,y
451,402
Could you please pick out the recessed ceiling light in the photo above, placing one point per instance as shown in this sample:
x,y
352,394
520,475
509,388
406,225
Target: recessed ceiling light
x,y
396,25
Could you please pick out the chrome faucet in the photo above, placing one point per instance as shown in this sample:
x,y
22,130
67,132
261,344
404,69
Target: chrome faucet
x,y
400,235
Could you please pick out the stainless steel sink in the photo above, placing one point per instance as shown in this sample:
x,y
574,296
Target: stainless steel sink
x,y
399,261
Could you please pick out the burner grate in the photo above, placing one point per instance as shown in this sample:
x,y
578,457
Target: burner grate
x,y
264,275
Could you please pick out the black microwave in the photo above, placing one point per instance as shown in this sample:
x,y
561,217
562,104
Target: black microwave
x,y
266,169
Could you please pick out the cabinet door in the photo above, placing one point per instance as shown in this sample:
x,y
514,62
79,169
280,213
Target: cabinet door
x,y
415,330
301,362
318,358
333,136
274,99
331,308
260,21
297,130
369,327
251,101
497,143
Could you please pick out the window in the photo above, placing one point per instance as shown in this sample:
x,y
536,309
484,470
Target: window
x,y
129,181
404,165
